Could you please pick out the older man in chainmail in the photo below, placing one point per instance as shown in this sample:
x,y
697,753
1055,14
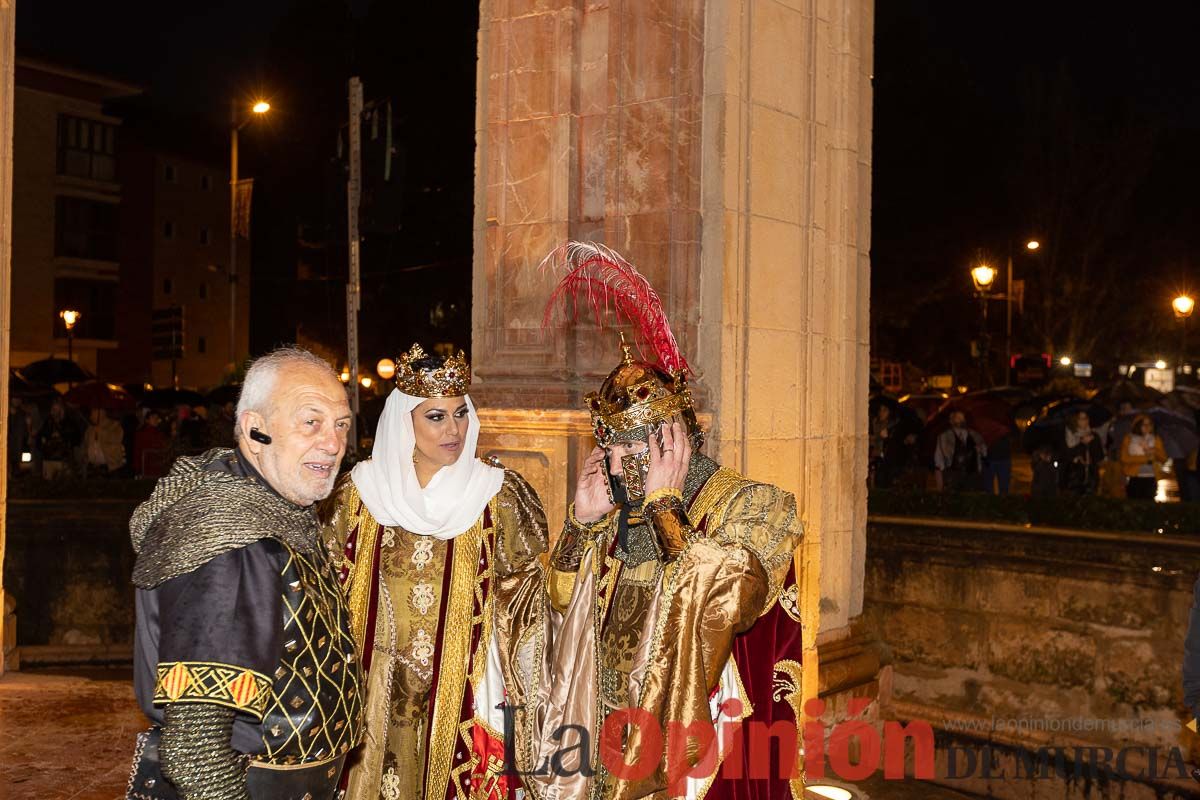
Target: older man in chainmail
x,y
244,660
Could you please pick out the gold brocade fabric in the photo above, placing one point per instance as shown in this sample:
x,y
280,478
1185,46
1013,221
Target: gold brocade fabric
x,y
668,629
414,735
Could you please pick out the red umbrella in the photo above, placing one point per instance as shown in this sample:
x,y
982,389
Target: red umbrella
x,y
98,394
987,413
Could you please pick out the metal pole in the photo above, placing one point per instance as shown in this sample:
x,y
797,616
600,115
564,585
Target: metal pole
x,y
353,288
984,343
233,273
1008,305
1183,321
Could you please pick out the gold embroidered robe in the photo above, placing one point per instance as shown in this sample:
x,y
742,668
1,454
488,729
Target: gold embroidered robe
x,y
448,631
664,638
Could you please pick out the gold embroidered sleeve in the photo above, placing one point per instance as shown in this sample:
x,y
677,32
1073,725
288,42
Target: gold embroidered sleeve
x,y
573,542
522,524
762,519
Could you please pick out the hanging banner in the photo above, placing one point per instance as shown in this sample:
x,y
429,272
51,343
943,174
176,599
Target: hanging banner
x,y
245,192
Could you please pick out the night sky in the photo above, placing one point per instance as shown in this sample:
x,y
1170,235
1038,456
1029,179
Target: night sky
x,y
993,121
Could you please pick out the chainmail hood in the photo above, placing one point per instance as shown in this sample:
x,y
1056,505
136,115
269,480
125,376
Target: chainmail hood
x,y
205,506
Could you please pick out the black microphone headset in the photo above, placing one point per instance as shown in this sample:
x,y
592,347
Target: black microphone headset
x,y
259,436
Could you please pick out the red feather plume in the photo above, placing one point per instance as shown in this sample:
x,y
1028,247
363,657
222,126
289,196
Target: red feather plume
x,y
605,281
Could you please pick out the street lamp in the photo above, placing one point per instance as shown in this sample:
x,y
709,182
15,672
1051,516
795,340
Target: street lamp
x,y
236,124
386,368
1183,306
70,317
1065,361
1032,244
983,276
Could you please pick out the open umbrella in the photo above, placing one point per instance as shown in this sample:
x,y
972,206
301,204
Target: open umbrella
x,y
989,414
221,395
98,394
50,371
1013,395
1127,391
1186,396
1047,429
925,405
169,398
1178,431
22,387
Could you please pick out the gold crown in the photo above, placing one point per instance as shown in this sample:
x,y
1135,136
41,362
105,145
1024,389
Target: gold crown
x,y
636,397
451,379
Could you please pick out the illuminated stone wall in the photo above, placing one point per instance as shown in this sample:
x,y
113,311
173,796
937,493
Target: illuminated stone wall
x,y
723,148
8,55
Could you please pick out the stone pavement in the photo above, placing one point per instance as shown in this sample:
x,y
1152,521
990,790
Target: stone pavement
x,y
66,735
69,735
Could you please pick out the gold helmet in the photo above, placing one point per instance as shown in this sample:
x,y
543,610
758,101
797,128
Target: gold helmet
x,y
636,398
639,395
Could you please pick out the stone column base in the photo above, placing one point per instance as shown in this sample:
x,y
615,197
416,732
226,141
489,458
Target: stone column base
x,y
852,662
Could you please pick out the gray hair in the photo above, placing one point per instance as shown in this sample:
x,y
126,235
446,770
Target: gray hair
x,y
259,383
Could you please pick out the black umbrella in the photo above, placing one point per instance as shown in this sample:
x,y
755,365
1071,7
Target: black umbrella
x,y
50,371
1177,431
1048,428
22,387
1127,391
228,393
169,398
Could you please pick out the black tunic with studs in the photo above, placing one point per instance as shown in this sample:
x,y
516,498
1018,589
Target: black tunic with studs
x,y
261,628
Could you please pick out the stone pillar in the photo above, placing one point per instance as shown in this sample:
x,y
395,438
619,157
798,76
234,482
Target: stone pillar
x,y
723,146
8,55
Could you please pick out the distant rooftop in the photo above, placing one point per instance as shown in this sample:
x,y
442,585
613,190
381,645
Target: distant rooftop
x,y
55,78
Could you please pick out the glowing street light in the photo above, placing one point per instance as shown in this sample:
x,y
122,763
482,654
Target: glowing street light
x,y
69,317
983,277
366,382
345,376
1160,364
1065,361
1032,244
1183,306
386,368
261,107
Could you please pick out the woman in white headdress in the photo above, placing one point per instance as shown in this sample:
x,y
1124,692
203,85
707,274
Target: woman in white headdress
x,y
439,561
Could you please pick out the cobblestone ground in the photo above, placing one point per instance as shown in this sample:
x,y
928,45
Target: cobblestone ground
x,y
66,735
69,735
